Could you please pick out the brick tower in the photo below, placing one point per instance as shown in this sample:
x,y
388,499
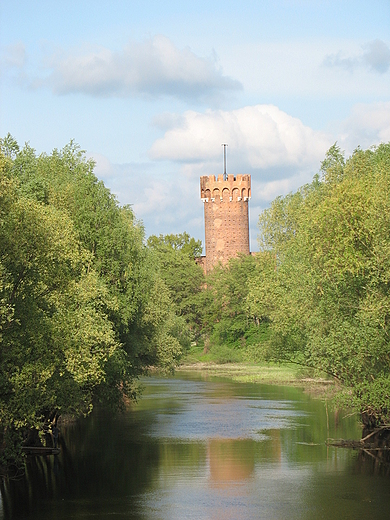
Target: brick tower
x,y
225,217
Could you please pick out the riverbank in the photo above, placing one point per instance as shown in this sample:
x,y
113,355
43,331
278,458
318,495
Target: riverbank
x,y
264,373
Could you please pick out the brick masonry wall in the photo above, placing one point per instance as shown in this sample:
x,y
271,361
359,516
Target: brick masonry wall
x,y
226,217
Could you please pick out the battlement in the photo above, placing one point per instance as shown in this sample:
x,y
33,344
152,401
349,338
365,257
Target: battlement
x,y
235,189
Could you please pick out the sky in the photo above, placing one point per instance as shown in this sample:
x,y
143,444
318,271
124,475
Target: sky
x,y
151,89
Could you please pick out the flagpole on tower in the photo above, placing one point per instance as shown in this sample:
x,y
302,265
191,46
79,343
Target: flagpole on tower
x,y
224,161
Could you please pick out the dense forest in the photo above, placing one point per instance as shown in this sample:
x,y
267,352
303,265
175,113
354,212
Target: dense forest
x,y
87,304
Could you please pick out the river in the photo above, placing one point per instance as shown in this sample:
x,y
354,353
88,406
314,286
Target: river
x,y
205,450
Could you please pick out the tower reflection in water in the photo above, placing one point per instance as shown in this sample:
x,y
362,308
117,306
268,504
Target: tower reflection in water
x,y
234,460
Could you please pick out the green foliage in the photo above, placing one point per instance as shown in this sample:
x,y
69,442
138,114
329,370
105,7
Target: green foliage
x,y
9,146
83,308
181,242
221,353
225,319
332,167
47,351
328,295
175,257
215,308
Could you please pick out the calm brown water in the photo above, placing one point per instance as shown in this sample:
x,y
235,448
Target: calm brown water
x,y
194,449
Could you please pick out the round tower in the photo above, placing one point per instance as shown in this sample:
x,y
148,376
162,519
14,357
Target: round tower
x,y
225,217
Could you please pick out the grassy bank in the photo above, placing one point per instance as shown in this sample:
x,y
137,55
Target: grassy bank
x,y
242,371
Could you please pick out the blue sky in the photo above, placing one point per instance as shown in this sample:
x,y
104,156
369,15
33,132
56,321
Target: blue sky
x,y
151,89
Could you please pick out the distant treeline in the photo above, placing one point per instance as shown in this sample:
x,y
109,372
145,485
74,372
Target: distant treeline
x,y
318,292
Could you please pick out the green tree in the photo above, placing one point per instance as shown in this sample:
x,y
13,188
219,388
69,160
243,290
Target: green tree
x,y
83,308
115,240
175,255
9,146
328,297
54,342
232,332
182,242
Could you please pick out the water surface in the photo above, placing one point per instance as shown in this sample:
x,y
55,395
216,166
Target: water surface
x,y
205,449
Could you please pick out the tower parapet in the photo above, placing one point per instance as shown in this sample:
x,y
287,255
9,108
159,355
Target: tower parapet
x,y
226,216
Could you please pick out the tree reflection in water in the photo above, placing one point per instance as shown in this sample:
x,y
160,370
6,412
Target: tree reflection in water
x,y
95,469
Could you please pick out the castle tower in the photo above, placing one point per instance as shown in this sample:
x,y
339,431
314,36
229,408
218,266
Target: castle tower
x,y
225,217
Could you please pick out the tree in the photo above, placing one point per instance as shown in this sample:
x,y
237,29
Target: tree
x,y
54,341
9,146
225,315
328,298
181,242
114,239
83,309
175,255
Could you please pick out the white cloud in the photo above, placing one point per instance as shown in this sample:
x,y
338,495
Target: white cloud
x,y
266,191
295,69
260,137
165,203
377,56
278,151
13,64
374,55
153,67
15,55
104,169
368,124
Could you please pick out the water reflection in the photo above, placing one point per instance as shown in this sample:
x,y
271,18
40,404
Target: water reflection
x,y
230,460
205,450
